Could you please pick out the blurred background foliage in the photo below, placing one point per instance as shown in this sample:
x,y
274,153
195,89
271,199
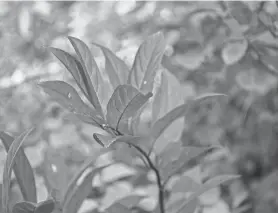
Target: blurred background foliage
x,y
225,47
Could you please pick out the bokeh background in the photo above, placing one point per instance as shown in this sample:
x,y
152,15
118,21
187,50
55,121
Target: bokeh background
x,y
224,47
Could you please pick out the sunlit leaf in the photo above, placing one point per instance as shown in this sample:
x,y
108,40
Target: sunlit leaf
x,y
24,207
124,103
80,76
176,206
116,208
210,184
22,170
78,194
46,206
234,51
146,63
9,164
68,97
90,162
90,68
115,67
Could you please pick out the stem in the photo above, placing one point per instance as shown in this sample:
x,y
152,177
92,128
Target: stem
x,y
158,178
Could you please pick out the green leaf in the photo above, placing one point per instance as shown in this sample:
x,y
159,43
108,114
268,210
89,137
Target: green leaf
x,y
46,206
117,208
240,12
130,201
190,207
9,164
210,184
146,63
160,99
79,194
87,164
234,51
161,124
185,184
24,207
107,141
22,170
90,68
116,68
123,104
82,79
168,168
68,97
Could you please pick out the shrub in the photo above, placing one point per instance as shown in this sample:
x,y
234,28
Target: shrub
x,y
120,119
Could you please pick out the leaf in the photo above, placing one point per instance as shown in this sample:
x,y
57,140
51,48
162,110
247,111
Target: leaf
x,y
107,141
46,206
68,97
79,194
9,164
115,67
22,170
89,66
117,208
124,103
190,207
147,61
240,12
130,201
160,100
168,168
24,207
161,124
81,77
234,51
87,164
210,184
185,184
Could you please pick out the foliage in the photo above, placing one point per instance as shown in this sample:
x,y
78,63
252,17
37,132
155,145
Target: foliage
x,y
122,110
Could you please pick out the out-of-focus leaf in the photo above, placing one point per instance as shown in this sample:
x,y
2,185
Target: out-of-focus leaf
x,y
130,201
87,164
161,125
22,170
168,168
24,207
147,61
76,69
116,68
185,184
79,194
46,206
9,164
240,12
68,97
123,104
210,184
116,208
234,51
190,207
89,67
56,172
160,100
